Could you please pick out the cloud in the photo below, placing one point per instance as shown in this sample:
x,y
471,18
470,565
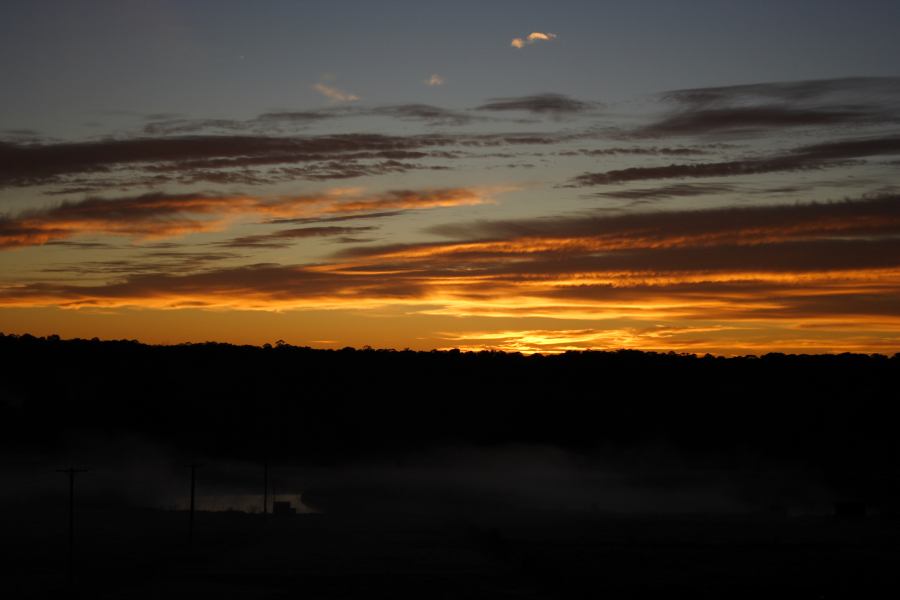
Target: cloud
x,y
813,267
256,286
534,36
334,94
680,171
204,158
24,162
833,259
814,156
637,151
246,159
537,35
758,108
799,266
746,226
334,170
414,199
788,91
263,122
148,215
297,116
184,126
433,115
284,238
285,121
678,190
538,104
753,119
742,109
338,218
28,133
164,261
166,215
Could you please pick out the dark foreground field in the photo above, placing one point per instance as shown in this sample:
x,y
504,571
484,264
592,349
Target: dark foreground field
x,y
144,554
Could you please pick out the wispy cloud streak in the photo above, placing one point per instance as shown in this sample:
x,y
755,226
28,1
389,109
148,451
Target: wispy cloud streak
x,y
814,156
161,215
334,94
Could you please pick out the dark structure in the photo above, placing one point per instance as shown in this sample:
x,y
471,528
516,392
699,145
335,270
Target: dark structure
x,y
283,508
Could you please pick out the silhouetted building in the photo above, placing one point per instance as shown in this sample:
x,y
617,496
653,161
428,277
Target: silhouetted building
x,y
282,508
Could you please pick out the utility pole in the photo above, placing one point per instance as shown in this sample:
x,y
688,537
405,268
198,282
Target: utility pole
x,y
70,563
265,488
193,503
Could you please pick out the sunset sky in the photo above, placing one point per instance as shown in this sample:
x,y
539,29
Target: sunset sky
x,y
708,176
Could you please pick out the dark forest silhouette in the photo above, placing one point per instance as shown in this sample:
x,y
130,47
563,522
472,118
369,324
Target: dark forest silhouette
x,y
832,412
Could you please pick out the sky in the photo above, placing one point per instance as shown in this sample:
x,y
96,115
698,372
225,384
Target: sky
x,y
524,176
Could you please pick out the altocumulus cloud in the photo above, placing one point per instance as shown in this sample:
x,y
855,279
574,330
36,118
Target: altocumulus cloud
x,y
334,94
538,104
534,36
166,215
813,156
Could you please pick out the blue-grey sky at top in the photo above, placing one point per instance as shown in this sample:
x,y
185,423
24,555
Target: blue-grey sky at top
x,y
65,62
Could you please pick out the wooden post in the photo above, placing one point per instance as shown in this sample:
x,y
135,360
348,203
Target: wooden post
x,y
265,488
70,562
193,504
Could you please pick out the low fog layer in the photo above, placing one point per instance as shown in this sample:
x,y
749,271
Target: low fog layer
x,y
452,481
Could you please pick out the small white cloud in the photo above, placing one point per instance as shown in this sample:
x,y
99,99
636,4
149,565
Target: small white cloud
x,y
537,35
435,79
334,94
534,36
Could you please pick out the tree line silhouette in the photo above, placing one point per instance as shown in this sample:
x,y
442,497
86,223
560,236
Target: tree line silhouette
x,y
833,414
